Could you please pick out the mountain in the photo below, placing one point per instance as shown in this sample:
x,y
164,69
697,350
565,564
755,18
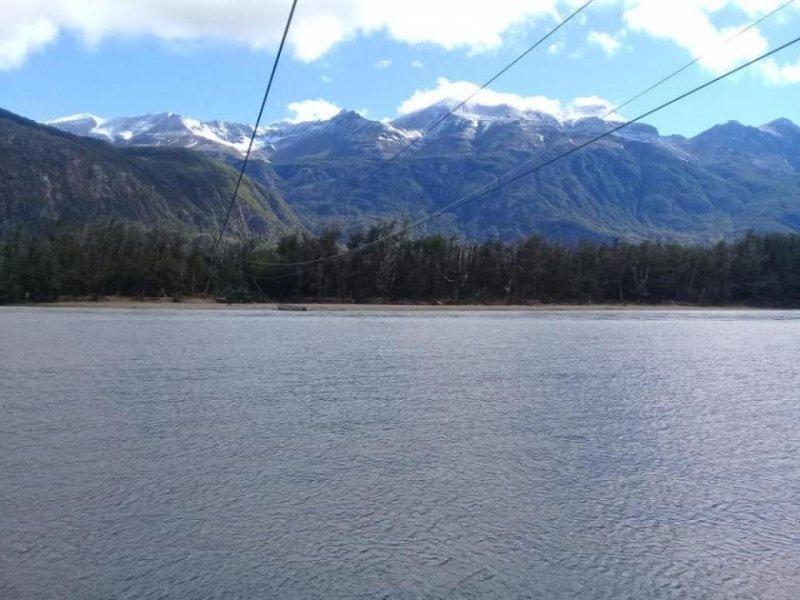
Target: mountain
x,y
49,176
354,136
161,130
634,184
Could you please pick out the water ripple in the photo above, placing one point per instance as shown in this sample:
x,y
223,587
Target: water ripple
x,y
564,455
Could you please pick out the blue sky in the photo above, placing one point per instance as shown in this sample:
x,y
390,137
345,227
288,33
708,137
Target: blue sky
x,y
384,58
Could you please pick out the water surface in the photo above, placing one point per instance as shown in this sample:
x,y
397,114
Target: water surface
x,y
428,455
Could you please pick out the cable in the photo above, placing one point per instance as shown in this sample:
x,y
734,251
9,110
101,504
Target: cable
x,y
605,116
675,73
450,112
693,62
255,129
499,182
473,196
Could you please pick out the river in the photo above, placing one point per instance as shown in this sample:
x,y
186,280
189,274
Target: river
x,y
183,454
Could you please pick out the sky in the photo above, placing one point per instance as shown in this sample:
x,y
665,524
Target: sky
x,y
209,59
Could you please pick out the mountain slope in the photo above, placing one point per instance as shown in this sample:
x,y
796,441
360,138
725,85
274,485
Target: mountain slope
x,y
48,176
634,185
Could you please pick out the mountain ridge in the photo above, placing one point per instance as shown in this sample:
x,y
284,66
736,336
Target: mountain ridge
x,y
635,184
48,176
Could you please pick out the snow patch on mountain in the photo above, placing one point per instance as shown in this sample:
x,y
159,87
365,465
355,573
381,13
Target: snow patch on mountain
x,y
349,133
163,129
76,118
218,133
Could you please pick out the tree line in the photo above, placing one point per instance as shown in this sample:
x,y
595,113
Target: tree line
x,y
126,260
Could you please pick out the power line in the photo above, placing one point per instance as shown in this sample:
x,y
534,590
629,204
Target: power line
x,y
674,74
608,114
501,181
696,60
255,129
461,104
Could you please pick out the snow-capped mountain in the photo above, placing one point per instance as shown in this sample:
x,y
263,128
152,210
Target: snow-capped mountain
x,y
471,128
473,119
84,124
425,118
346,134
635,184
48,177
165,129
353,134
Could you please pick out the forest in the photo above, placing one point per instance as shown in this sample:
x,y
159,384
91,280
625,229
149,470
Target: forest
x,y
116,259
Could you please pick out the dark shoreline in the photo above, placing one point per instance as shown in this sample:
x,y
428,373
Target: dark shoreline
x,y
210,304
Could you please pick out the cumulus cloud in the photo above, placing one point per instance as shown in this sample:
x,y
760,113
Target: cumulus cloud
x,y
754,8
605,41
695,25
459,90
690,25
318,26
417,64
312,110
384,63
16,42
781,74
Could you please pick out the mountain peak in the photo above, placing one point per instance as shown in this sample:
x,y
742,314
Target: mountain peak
x,y
500,112
348,116
783,122
726,129
782,126
541,112
635,186
475,112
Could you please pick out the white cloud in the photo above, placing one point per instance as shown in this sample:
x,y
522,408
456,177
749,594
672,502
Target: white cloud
x,y
556,48
781,74
16,42
756,8
459,90
327,79
417,64
690,25
312,36
454,23
694,25
312,110
384,63
605,41
28,25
